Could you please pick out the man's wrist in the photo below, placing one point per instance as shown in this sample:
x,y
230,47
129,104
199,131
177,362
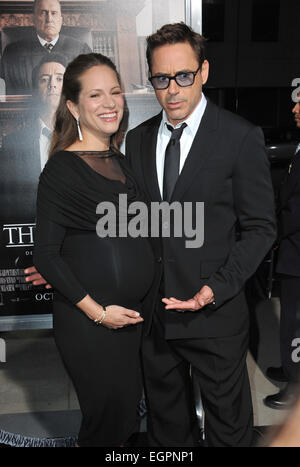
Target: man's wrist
x,y
213,301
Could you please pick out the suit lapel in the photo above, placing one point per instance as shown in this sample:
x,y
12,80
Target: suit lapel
x,y
149,158
201,149
287,187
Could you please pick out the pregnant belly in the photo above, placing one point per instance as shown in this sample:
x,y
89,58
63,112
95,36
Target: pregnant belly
x,y
112,270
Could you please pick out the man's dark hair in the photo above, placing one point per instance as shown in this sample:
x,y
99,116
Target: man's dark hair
x,y
49,58
174,34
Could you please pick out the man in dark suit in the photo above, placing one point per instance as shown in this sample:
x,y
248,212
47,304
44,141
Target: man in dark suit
x,y
25,152
21,57
198,310
288,269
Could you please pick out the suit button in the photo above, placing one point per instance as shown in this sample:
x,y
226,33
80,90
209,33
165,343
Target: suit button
x,y
159,260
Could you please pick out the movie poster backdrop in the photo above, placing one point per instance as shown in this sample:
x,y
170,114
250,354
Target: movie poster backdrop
x,y
116,28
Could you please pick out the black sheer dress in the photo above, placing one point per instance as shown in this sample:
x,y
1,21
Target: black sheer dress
x,y
103,364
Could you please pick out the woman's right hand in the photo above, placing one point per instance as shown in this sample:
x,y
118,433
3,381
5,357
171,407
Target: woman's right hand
x,y
118,317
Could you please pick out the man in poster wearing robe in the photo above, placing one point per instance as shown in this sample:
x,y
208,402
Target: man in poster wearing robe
x,y
21,57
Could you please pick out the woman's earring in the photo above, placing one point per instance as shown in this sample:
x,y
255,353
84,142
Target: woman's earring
x,y
79,130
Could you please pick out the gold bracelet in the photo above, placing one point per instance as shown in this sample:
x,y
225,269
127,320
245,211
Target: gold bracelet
x,y
99,321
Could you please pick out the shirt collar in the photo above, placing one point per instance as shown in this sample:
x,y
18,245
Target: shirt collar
x,y
43,42
193,121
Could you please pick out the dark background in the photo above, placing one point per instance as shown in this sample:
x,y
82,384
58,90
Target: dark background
x,y
253,47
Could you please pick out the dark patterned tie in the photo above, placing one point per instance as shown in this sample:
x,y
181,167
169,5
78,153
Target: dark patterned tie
x,y
49,46
47,132
172,160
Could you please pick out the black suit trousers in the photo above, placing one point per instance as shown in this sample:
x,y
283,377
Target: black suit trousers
x,y
225,391
290,326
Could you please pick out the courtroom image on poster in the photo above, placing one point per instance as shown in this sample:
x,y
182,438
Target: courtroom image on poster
x,y
24,154
38,40
116,28
25,45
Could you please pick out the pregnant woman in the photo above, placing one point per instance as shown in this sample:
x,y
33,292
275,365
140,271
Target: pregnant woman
x,y
99,282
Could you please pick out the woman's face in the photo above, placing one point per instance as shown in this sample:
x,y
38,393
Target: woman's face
x,y
101,103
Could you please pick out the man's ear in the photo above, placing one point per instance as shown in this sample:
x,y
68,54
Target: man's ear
x,y
204,71
72,109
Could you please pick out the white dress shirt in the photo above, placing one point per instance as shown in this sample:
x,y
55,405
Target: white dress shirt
x,y
45,142
186,140
43,42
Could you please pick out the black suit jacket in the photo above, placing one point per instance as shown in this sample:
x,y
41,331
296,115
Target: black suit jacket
x,y
288,259
227,169
20,58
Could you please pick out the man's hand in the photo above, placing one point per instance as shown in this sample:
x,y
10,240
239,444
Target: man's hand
x,y
35,277
202,298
